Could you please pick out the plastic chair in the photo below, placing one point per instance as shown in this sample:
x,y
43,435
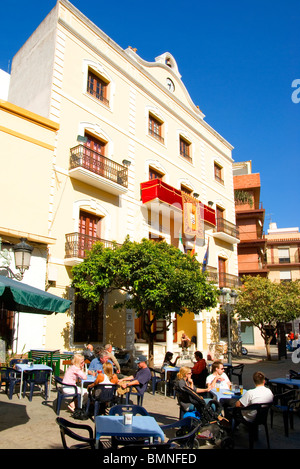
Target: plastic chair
x,y
186,431
200,378
261,418
238,371
14,361
285,403
10,377
62,395
294,374
86,442
155,379
36,378
140,396
120,409
100,396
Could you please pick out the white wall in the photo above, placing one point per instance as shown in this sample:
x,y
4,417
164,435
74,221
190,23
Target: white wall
x,y
4,84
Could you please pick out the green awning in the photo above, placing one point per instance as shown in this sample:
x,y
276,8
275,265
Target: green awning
x,y
18,296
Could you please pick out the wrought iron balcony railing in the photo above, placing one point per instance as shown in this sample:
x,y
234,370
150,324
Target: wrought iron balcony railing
x,y
227,227
83,157
228,280
77,244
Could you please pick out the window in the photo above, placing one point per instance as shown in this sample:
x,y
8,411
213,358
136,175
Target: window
x,y
155,128
88,232
98,87
222,267
94,155
154,174
88,324
185,189
284,255
285,276
185,149
218,173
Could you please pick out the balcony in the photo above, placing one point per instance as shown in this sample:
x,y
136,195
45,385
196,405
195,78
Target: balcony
x,y
226,231
251,237
222,279
212,274
228,280
77,244
92,168
288,261
158,195
248,267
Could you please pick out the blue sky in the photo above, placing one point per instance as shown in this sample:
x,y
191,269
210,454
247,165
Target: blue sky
x,y
238,60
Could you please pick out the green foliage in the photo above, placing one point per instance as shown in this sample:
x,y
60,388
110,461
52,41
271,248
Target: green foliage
x,y
266,303
157,278
243,197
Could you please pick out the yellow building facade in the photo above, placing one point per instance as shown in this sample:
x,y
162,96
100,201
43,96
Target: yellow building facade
x,y
126,142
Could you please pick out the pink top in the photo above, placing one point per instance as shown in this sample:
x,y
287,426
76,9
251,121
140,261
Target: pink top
x,y
72,374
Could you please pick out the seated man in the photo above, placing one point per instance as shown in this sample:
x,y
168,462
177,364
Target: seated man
x,y
96,365
233,408
199,370
88,353
259,395
138,381
185,341
218,375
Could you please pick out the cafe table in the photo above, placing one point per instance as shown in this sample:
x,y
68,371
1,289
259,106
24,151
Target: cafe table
x,y
35,367
143,426
227,394
173,369
286,381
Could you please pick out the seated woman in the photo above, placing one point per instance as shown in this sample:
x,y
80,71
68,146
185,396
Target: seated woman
x,y
184,380
72,375
170,374
105,377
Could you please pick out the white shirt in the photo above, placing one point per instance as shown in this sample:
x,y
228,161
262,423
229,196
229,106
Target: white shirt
x,y
258,395
224,384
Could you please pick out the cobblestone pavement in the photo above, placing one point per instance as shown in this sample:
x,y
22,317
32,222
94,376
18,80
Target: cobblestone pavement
x,y
31,425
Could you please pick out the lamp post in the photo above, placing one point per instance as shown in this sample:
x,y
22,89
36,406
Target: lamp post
x,y
227,300
22,253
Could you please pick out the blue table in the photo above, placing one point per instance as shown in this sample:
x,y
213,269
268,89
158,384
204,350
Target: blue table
x,y
26,367
289,382
173,369
226,394
142,426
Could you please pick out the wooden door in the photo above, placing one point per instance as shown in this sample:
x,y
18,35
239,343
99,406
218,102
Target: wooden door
x,y
222,271
89,231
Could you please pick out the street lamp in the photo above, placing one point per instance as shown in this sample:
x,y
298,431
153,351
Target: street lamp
x,y
22,253
228,299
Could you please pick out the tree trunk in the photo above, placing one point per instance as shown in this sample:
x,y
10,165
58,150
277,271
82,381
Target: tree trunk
x,y
151,351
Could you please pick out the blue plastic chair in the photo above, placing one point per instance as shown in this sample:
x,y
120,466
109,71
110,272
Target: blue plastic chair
x,y
155,379
36,378
14,361
61,395
10,377
101,399
120,409
87,442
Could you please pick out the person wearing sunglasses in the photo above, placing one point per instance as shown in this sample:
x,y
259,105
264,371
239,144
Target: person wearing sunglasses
x,y
218,375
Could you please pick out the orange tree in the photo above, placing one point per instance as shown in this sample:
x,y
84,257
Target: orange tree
x,y
158,280
266,304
